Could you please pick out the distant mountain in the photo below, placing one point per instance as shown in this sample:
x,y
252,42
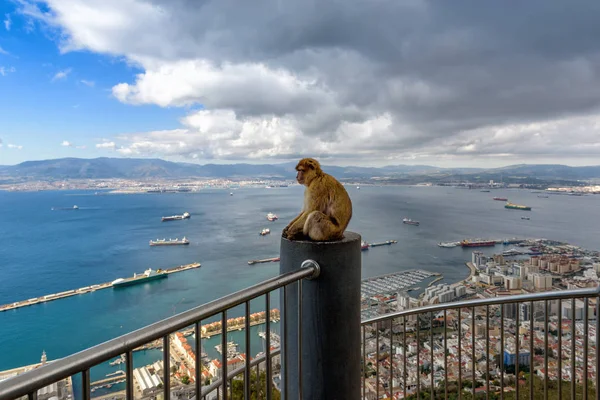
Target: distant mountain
x,y
131,168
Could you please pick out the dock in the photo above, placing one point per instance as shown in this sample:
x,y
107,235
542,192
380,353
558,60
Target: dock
x,y
386,243
266,260
85,289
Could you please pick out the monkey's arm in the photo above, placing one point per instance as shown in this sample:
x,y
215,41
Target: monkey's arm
x,y
294,229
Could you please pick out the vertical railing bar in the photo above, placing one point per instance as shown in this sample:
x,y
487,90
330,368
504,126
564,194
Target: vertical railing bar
x,y
445,355
224,353
377,358
166,367
32,395
459,354
473,349
597,347
85,385
573,344
300,394
487,352
418,356
129,375
285,346
517,317
391,382
559,349
404,373
364,352
585,347
531,349
198,342
247,341
268,344
502,352
431,369
545,349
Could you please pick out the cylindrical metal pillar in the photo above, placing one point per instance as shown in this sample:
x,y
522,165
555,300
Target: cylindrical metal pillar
x,y
329,326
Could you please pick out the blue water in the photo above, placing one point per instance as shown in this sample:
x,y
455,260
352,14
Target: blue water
x,y
45,251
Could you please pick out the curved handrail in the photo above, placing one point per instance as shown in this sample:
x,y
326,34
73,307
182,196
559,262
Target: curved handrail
x,y
521,298
33,380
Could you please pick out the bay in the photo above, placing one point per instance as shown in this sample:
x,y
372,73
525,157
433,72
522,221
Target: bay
x,y
47,251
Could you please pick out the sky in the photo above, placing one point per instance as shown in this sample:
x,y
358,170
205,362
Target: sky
x,y
355,82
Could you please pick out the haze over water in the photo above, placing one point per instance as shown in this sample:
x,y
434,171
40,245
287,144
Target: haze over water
x,y
45,251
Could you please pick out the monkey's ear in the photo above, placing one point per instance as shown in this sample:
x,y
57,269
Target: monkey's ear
x,y
311,164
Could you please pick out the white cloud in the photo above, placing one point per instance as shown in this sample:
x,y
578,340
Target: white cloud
x,y
88,83
14,146
7,22
66,143
1,143
6,70
2,51
411,80
61,74
106,145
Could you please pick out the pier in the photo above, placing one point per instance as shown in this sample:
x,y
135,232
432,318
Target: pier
x,y
85,289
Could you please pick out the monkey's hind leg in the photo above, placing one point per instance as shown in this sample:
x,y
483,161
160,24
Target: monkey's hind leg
x,y
320,227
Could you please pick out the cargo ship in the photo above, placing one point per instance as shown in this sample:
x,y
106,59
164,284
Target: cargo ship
x,y
501,198
185,215
517,207
477,243
410,222
364,246
266,260
272,217
265,231
387,242
170,242
148,275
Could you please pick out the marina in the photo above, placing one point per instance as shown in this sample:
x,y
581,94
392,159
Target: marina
x,y
86,289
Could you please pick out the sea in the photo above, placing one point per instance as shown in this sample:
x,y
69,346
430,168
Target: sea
x,y
48,247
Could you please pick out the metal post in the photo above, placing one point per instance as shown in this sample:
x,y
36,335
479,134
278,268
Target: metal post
x,y
330,326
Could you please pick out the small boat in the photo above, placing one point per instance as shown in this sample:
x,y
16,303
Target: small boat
x,y
231,193
185,215
364,246
272,217
501,198
265,231
447,245
484,191
542,197
410,222
527,218
75,208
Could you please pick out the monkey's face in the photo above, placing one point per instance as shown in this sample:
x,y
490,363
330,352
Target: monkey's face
x,y
301,175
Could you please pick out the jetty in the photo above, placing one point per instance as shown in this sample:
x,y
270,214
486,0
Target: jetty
x,y
266,260
85,289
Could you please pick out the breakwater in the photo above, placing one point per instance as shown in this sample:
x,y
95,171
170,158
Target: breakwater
x,y
83,290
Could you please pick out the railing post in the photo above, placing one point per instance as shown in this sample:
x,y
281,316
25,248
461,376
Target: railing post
x,y
330,321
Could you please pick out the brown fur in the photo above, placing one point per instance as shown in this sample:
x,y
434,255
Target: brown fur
x,y
327,207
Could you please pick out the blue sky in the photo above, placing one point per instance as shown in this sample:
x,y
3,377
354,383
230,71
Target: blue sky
x,y
39,112
446,83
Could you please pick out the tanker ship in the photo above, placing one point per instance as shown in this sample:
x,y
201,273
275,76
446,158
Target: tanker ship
x,y
517,207
185,215
477,243
410,222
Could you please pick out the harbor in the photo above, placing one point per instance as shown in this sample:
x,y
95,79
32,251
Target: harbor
x,y
83,290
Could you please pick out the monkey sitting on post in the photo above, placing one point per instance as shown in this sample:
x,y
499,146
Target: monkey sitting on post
x,y
327,207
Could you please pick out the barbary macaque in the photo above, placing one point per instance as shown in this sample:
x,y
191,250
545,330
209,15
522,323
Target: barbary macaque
x,y
327,207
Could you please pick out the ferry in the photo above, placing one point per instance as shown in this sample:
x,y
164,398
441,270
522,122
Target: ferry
x,y
517,207
501,198
272,217
410,222
170,242
185,215
364,246
148,275
265,231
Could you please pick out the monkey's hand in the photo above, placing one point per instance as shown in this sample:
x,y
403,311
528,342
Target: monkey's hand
x,y
293,233
285,231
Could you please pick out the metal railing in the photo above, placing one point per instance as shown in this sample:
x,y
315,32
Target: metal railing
x,y
28,384
512,345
